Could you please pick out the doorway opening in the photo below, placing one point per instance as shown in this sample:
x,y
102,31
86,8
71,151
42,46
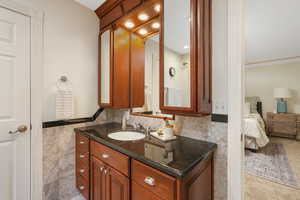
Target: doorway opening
x,y
271,120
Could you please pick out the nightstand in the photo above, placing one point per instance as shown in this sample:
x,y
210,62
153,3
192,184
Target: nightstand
x,y
283,125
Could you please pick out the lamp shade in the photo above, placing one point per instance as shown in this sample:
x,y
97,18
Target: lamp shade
x,y
282,93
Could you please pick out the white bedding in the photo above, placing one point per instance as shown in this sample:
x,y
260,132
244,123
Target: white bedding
x,y
254,127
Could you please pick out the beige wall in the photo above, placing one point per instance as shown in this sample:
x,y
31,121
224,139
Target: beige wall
x,y
261,80
71,49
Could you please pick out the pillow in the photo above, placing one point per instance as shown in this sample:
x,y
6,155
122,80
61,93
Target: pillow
x,y
253,103
247,109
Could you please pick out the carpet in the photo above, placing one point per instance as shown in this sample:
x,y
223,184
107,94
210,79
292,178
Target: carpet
x,y
271,162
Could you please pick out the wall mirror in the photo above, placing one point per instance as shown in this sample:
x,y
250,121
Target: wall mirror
x,y
177,84
151,86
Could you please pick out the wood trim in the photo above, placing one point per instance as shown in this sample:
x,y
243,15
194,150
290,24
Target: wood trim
x,y
153,116
204,55
272,60
235,61
106,7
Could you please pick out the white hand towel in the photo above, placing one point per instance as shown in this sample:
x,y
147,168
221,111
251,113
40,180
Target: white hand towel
x,y
64,104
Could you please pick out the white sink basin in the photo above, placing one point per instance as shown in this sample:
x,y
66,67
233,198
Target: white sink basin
x,y
126,136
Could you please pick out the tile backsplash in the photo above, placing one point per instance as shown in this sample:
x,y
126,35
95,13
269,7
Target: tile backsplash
x,y
59,151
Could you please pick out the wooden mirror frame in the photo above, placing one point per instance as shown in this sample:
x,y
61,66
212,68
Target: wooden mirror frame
x,y
193,65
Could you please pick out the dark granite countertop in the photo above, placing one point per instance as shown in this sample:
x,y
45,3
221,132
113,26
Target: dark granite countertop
x,y
175,157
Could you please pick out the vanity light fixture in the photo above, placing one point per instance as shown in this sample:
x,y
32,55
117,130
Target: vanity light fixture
x,y
155,25
143,17
143,31
157,7
129,24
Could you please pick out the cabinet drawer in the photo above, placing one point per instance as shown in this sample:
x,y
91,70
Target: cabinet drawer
x,y
153,180
111,157
83,169
140,192
82,143
284,117
285,127
83,187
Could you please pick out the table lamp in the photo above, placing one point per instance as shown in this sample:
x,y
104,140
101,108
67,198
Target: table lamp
x,y
281,94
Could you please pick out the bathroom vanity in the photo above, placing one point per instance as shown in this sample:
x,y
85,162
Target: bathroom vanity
x,y
147,169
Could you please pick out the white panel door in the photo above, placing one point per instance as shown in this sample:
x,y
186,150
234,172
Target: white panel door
x,y
14,105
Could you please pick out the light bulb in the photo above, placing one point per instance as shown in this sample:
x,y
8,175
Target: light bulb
x,y
155,25
129,24
143,17
143,31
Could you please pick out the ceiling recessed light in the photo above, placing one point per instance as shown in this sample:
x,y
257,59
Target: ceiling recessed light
x,y
143,31
155,25
186,47
129,24
143,17
157,7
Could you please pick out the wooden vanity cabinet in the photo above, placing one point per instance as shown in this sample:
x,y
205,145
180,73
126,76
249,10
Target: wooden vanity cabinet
x,y
121,78
82,160
112,175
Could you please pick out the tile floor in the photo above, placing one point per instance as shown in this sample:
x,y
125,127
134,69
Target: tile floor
x,y
257,188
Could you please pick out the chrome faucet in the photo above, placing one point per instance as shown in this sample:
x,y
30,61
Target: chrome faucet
x,y
146,130
125,117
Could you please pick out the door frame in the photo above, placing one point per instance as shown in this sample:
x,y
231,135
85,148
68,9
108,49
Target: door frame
x,y
36,93
235,56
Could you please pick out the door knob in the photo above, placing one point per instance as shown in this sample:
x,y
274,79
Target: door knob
x,y
21,129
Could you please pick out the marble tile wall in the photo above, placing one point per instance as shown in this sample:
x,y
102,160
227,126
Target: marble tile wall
x,y
59,161
59,151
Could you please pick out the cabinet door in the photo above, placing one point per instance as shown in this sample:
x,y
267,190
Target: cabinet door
x,y
105,68
121,68
137,71
185,81
97,179
117,185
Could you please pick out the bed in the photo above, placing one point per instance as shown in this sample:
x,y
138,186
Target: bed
x,y
254,126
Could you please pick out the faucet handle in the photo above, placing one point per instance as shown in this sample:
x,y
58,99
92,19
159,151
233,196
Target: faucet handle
x,y
139,126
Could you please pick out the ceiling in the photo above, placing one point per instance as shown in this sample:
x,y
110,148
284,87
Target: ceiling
x,y
92,4
272,29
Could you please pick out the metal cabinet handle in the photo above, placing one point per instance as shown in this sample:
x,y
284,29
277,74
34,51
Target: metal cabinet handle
x,y
105,171
81,187
81,156
81,142
150,181
105,155
21,129
81,171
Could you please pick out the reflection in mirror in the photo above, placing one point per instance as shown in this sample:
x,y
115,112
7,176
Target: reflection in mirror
x,y
151,105
177,92
105,67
